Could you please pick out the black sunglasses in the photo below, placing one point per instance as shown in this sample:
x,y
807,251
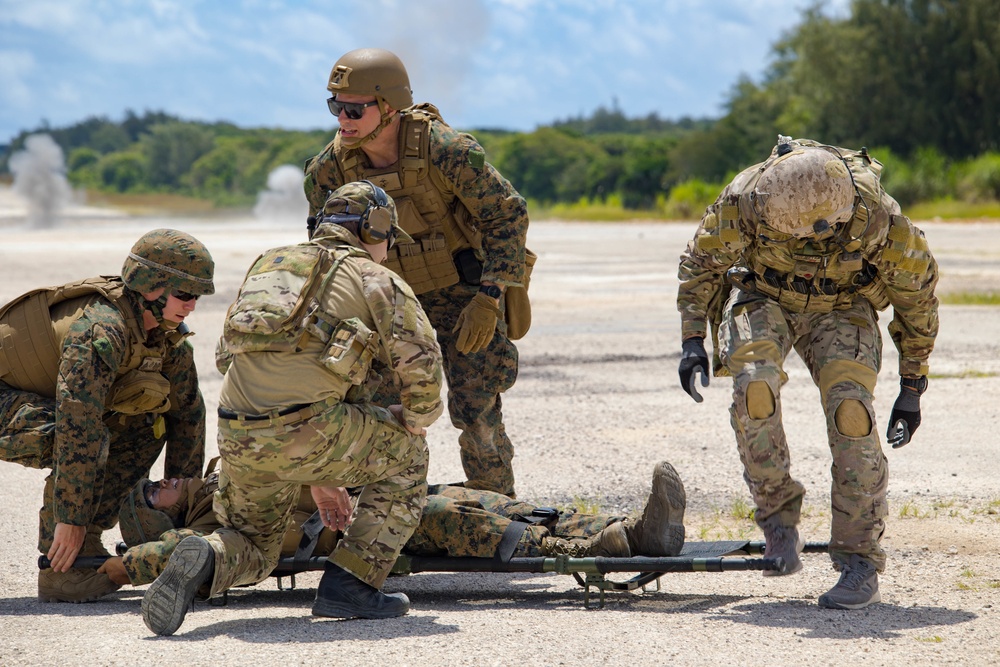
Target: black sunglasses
x,y
354,110
184,296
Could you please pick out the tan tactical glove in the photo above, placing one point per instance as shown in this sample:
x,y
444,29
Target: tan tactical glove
x,y
478,322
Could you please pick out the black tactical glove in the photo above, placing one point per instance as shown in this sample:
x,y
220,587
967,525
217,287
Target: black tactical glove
x,y
694,360
905,417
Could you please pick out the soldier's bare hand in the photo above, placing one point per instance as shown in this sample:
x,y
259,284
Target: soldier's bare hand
x,y
66,544
114,567
334,506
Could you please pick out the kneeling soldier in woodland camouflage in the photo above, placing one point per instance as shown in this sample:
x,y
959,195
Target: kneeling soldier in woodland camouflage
x,y
800,252
298,348
95,378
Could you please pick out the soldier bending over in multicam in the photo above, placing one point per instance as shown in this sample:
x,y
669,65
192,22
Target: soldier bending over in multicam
x,y
456,522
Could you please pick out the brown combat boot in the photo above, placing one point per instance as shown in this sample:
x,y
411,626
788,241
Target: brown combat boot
x,y
78,584
612,541
74,585
660,529
781,541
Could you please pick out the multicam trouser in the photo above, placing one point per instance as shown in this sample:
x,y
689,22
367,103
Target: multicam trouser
x,y
27,435
465,522
842,350
475,382
348,445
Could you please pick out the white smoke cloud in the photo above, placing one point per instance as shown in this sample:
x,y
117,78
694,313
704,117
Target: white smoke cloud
x,y
284,200
40,178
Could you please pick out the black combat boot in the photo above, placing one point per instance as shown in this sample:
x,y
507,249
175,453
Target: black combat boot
x,y
342,595
168,599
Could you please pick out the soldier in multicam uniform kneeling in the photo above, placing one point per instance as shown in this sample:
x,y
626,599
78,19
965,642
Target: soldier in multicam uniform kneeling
x,y
96,377
800,252
468,265
300,345
456,522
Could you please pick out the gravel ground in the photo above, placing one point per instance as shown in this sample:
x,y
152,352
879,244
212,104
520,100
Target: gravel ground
x,y
595,406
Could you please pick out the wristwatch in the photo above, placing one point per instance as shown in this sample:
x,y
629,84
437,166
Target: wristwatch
x,y
918,385
492,291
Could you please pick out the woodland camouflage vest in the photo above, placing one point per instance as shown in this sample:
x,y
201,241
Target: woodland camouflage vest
x,y
439,226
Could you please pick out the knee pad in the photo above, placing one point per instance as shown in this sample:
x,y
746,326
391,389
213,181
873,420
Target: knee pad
x,y
760,400
852,419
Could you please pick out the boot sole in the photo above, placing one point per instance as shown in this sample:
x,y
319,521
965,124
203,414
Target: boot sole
x,y
666,474
329,609
169,597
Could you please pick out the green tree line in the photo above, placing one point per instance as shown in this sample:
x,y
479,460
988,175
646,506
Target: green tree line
x,y
917,81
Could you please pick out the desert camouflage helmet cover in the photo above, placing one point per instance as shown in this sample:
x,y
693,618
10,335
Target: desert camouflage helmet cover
x,y
172,259
805,186
139,523
374,72
355,198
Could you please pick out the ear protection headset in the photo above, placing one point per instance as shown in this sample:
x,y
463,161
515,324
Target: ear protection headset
x,y
375,224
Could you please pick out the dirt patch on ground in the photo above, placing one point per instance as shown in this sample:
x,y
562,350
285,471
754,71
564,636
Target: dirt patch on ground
x,y
595,406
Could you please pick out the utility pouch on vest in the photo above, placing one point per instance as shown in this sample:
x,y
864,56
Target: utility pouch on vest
x,y
350,351
275,303
139,392
517,305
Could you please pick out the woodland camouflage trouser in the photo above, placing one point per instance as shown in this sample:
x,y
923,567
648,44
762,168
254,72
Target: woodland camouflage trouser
x,y
475,382
348,445
27,436
842,350
466,522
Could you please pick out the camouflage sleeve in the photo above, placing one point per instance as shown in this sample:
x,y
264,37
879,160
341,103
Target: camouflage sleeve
x,y
409,342
715,248
186,418
92,352
321,178
910,275
145,562
498,212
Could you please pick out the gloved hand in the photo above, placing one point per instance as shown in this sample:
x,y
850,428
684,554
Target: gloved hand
x,y
905,417
694,360
478,322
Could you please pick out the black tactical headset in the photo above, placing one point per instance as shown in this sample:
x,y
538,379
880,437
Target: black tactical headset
x,y
375,223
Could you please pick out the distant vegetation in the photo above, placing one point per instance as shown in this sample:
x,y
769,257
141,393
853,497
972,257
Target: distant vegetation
x,y
917,81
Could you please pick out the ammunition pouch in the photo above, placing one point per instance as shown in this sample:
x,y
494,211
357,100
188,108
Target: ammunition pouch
x,y
425,265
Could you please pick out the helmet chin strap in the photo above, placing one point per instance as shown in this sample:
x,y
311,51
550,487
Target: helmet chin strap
x,y
384,119
156,308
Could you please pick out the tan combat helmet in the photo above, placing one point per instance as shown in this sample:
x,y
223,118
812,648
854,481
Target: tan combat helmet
x,y
170,259
375,72
800,190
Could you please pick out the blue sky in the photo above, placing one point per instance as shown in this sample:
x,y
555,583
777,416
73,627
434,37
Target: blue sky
x,y
514,64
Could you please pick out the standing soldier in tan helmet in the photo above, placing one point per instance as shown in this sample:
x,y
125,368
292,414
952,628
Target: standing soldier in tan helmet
x,y
95,377
468,265
800,252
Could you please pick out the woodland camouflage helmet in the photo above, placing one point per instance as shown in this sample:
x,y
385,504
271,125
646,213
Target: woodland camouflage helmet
x,y
375,72
171,259
802,188
139,523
